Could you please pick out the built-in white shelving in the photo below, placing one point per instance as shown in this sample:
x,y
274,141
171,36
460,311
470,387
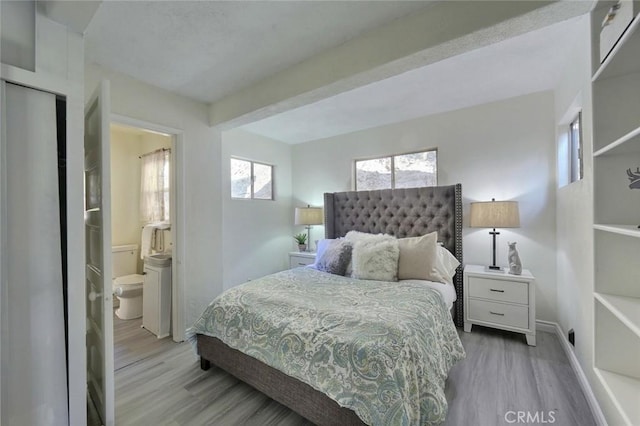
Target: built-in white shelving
x,y
620,146
626,309
628,230
616,150
624,391
623,59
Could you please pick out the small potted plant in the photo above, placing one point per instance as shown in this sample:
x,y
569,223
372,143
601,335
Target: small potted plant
x,y
301,239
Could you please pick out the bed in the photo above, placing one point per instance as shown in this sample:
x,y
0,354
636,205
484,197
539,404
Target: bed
x,y
395,376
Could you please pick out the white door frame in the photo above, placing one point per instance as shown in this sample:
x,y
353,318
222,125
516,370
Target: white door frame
x,y
177,213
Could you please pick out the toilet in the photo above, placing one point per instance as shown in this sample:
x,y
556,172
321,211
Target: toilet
x,y
127,284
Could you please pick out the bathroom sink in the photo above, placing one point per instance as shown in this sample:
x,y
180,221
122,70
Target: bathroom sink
x,y
158,259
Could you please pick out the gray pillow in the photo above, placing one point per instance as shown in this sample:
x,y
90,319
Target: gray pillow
x,y
335,257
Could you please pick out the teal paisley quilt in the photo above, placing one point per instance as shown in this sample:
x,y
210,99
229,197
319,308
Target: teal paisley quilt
x,y
382,349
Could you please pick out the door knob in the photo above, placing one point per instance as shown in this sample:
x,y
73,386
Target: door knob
x,y
93,296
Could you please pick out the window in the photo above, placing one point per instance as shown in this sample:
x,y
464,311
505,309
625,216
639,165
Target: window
x,y
398,171
575,149
154,186
251,180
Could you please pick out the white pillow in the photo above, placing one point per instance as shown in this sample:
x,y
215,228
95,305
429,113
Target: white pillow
x,y
446,265
355,236
376,259
418,257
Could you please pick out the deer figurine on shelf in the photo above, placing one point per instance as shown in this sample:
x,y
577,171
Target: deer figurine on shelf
x,y
515,265
634,177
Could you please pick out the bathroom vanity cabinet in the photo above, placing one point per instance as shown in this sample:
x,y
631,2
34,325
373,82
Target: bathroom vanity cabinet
x,y
156,299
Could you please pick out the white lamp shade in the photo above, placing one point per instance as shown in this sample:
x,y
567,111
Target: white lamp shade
x,y
308,216
494,214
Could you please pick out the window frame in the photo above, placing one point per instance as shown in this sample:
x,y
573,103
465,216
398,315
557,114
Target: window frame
x,y
393,165
576,147
166,186
253,179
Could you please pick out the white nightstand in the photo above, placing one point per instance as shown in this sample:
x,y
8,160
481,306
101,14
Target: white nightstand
x,y
301,258
500,300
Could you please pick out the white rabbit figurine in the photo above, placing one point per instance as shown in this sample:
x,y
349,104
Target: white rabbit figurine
x,y
515,266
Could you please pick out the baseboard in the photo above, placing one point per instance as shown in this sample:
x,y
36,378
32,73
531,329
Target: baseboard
x,y
552,327
549,327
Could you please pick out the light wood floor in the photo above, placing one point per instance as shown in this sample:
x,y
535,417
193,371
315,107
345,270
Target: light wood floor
x,y
133,344
502,373
160,383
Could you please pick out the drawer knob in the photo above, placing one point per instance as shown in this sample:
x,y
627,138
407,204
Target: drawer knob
x,y
496,313
497,291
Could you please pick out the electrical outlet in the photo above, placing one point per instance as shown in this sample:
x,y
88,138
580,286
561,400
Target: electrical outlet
x,y
572,337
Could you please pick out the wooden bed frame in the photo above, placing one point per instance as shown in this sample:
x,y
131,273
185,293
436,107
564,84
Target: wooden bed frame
x,y
400,212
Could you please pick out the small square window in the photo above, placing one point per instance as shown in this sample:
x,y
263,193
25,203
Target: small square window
x,y
251,180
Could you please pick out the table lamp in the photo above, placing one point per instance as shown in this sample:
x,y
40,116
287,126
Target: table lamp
x,y
494,214
308,216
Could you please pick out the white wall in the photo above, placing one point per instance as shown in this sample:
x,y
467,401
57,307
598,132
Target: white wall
x,y
504,150
125,189
18,28
126,149
201,266
574,218
575,211
256,233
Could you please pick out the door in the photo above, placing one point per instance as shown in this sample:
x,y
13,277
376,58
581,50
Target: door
x,y
33,389
100,376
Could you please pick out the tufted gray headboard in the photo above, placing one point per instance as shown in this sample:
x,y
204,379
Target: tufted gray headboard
x,y
410,212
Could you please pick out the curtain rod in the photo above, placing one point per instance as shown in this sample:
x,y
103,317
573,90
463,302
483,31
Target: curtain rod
x,y
153,152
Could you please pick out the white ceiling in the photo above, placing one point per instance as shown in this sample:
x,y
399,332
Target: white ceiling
x,y
74,14
207,49
529,63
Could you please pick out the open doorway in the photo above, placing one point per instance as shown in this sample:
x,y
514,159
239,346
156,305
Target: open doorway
x,y
142,246
147,315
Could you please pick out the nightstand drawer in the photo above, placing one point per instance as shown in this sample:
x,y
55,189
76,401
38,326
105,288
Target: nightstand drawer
x,y
297,261
499,313
499,290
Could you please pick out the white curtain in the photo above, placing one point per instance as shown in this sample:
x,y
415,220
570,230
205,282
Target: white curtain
x,y
154,186
34,373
